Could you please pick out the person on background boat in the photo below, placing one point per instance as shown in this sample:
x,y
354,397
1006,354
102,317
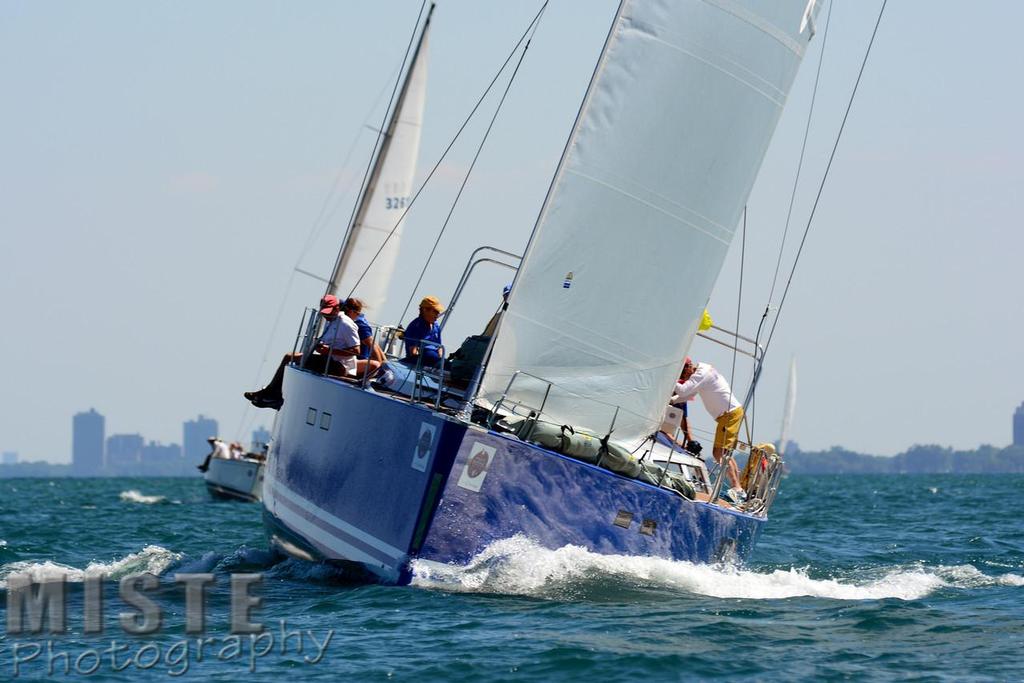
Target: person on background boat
x,y
423,335
219,450
336,352
704,380
368,348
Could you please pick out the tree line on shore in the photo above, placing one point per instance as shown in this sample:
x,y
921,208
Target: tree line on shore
x,y
928,459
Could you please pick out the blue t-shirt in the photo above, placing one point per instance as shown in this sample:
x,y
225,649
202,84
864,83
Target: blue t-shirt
x,y
426,337
364,331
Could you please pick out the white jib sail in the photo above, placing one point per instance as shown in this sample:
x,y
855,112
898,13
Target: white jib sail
x,y
787,415
386,198
643,207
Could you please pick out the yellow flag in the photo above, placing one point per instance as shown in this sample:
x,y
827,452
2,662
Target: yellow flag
x,y
705,321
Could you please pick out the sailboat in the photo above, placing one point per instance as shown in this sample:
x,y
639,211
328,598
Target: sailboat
x,y
553,438
384,196
788,409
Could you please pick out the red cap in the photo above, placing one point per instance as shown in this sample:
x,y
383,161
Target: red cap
x,y
688,361
328,304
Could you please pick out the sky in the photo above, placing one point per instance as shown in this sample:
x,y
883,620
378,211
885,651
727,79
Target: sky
x,y
165,167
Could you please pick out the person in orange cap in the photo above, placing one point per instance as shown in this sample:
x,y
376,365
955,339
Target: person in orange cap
x,y
423,335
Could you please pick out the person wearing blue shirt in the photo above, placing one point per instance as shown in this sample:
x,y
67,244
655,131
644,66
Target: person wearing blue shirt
x,y
423,335
368,348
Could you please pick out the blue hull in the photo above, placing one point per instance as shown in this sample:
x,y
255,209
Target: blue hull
x,y
375,482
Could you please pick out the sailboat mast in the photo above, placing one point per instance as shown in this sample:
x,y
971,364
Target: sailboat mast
x,y
363,203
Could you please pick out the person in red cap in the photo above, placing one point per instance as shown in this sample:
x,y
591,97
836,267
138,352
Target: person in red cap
x,y
336,353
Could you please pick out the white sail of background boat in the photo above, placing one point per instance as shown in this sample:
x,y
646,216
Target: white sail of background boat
x,y
787,415
643,207
386,194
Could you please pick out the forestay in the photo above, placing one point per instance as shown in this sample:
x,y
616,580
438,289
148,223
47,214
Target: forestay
x,y
387,195
644,205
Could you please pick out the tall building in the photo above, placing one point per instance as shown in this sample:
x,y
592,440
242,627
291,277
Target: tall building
x,y
9,458
260,439
1018,426
155,453
87,432
194,443
124,451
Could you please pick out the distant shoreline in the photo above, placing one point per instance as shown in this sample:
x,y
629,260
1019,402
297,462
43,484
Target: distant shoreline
x,y
915,460
837,460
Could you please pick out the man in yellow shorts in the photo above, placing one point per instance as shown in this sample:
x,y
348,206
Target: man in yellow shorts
x,y
702,379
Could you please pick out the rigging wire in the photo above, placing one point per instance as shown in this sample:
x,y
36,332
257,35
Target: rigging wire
x,y
796,182
803,149
824,177
324,217
739,298
469,171
319,223
380,136
451,144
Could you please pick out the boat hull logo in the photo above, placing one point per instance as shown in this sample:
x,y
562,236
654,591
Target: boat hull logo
x,y
424,444
475,471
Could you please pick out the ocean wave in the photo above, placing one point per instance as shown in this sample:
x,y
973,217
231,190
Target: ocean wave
x,y
152,559
519,566
135,496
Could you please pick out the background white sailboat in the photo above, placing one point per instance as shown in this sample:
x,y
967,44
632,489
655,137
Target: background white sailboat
x,y
789,408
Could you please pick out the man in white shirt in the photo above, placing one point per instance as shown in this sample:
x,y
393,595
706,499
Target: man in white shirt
x,y
336,353
701,379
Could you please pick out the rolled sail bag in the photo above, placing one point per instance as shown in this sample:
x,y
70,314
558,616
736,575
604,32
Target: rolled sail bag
x,y
582,446
562,439
617,459
649,474
679,484
543,434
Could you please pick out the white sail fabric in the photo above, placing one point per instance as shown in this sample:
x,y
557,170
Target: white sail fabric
x,y
385,199
643,207
790,407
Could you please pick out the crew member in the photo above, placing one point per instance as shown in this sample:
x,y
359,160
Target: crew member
x,y
701,379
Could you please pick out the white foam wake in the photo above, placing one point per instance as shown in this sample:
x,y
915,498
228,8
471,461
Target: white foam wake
x,y
152,559
134,496
519,566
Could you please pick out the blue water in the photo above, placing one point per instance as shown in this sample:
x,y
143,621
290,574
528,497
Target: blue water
x,y
862,577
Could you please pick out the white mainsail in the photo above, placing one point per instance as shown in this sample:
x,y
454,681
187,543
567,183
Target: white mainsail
x,y
386,196
643,207
790,407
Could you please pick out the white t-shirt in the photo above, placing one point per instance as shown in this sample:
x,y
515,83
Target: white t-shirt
x,y
712,388
341,333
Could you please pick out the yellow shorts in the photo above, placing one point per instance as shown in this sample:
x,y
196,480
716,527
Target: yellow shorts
x,y
728,428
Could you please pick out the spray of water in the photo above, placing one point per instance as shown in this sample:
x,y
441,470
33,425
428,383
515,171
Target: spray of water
x,y
519,566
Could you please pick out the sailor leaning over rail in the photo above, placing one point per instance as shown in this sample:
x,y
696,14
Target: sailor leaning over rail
x,y
704,380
